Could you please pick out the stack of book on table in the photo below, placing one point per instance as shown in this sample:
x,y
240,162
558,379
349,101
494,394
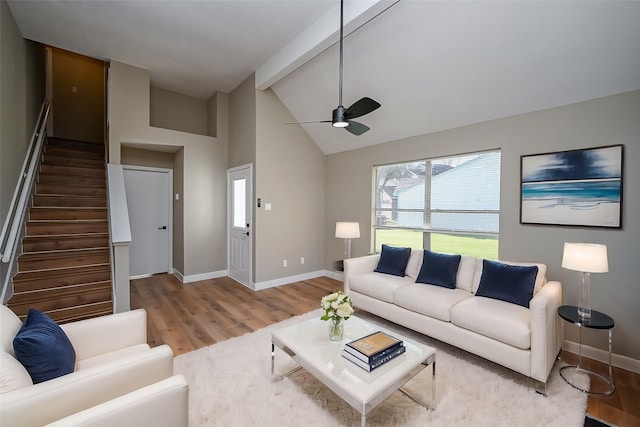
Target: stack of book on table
x,y
373,351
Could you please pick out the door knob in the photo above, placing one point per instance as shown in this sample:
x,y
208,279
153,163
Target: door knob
x,y
247,233
164,227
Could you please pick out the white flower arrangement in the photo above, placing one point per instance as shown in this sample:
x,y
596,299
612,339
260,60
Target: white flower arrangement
x,y
336,305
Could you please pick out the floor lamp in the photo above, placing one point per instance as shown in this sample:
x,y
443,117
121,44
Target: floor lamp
x,y
586,258
347,231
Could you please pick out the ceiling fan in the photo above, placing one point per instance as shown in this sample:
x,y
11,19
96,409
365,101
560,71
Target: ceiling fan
x,y
342,117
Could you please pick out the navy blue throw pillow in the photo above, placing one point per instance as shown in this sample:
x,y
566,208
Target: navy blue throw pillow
x,y
393,260
511,283
439,269
43,348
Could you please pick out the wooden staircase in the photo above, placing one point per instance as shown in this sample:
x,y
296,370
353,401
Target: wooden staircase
x,y
64,269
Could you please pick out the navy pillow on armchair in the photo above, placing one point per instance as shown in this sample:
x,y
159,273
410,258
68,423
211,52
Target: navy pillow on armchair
x,y
393,260
511,283
43,348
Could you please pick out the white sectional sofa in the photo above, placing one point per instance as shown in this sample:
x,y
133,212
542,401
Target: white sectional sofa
x,y
524,339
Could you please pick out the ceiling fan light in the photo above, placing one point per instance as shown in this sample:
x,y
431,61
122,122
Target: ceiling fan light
x,y
339,120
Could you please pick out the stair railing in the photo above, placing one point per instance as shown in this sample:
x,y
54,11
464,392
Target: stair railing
x,y
15,216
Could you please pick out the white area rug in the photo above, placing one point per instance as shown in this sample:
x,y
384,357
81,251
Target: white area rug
x,y
230,385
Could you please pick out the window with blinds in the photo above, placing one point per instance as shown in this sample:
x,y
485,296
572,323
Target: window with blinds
x,y
448,204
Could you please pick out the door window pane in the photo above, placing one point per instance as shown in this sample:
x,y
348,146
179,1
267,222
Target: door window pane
x,y
239,202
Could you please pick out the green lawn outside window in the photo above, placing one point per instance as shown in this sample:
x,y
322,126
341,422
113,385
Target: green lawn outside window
x,y
478,246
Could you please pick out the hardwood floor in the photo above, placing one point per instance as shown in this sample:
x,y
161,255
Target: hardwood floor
x,y
195,315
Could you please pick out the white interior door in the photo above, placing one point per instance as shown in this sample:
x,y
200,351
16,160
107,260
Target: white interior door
x,y
240,198
149,203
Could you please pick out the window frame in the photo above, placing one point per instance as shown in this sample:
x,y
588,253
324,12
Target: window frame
x,y
427,211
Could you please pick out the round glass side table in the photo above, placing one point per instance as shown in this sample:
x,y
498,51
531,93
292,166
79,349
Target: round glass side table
x,y
598,320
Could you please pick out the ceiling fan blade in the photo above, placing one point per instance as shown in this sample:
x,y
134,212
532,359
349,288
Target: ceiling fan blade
x,y
362,107
356,128
304,123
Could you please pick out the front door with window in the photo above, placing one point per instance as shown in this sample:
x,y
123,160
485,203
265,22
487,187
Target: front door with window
x,y
239,223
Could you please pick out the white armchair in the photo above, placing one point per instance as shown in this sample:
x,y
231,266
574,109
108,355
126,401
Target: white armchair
x,y
118,378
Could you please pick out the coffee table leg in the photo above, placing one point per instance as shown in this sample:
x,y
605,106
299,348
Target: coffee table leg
x,y
433,390
363,420
273,359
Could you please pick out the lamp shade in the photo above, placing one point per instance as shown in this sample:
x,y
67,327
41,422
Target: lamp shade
x,y
347,230
585,257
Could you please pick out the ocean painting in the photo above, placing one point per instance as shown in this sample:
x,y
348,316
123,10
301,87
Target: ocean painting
x,y
578,187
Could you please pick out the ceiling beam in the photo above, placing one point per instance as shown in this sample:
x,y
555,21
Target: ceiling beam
x,y
320,36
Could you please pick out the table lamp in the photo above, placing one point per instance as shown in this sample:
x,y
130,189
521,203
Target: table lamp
x,y
586,258
347,231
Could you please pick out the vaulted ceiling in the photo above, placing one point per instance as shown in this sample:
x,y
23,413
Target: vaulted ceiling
x,y
433,65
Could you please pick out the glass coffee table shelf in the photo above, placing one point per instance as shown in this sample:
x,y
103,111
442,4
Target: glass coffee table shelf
x,y
598,320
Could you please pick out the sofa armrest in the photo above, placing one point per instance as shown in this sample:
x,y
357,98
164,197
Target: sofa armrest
x,y
99,335
359,265
546,330
60,397
163,404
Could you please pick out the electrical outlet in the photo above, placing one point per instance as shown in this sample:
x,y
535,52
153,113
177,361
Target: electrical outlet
x,y
301,260
284,262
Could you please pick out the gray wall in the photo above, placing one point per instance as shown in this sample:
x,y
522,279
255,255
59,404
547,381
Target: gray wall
x,y
22,90
289,174
171,110
605,121
202,163
78,115
242,124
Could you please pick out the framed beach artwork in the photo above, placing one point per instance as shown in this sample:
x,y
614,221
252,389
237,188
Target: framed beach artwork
x,y
577,187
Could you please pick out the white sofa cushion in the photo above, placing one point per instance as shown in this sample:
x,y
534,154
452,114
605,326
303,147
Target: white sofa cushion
x,y
12,374
495,319
430,300
378,285
540,277
466,273
414,264
10,324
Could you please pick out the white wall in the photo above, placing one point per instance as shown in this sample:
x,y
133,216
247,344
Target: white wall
x,y
605,121
204,174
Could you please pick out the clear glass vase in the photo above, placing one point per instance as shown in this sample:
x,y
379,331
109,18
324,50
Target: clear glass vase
x,y
336,328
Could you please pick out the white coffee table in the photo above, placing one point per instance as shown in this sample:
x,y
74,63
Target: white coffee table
x,y
309,345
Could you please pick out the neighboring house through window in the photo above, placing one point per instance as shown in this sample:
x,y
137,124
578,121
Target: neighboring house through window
x,y
448,204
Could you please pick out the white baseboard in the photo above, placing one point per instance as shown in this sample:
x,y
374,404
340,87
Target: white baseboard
x,y
336,275
140,276
600,355
286,280
197,277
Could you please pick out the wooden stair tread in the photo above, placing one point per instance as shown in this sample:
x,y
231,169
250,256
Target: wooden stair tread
x,y
57,200
66,275
33,295
74,314
72,170
67,253
64,241
74,180
70,190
